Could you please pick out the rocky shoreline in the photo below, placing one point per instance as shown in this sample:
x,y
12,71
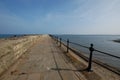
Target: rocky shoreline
x,y
117,40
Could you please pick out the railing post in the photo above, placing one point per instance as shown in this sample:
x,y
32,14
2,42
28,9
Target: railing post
x,y
67,45
60,41
91,49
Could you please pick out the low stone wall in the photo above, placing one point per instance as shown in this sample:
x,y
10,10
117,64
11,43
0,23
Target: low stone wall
x,y
12,49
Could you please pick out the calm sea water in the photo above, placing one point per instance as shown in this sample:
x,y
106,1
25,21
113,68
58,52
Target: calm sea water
x,y
9,35
101,42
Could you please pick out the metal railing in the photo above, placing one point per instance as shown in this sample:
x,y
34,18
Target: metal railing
x,y
91,49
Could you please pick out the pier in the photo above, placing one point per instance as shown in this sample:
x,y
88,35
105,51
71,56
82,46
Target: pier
x,y
46,60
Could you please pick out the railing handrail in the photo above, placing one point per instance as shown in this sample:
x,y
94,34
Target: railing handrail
x,y
106,53
79,45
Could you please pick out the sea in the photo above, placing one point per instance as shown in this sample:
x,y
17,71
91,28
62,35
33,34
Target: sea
x,y
10,35
103,43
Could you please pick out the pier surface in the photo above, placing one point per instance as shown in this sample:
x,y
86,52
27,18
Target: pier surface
x,y
46,61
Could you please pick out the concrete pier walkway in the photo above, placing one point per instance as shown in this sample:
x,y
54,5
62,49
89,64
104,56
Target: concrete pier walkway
x,y
45,61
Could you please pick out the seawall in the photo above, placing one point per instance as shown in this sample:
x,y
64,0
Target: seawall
x,y
11,50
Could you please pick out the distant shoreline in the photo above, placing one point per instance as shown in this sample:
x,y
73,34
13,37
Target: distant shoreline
x,y
118,40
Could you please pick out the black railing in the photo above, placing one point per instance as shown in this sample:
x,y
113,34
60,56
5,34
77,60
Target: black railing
x,y
91,49
96,50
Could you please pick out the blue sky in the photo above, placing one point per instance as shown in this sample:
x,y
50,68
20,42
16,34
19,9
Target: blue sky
x,y
60,16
